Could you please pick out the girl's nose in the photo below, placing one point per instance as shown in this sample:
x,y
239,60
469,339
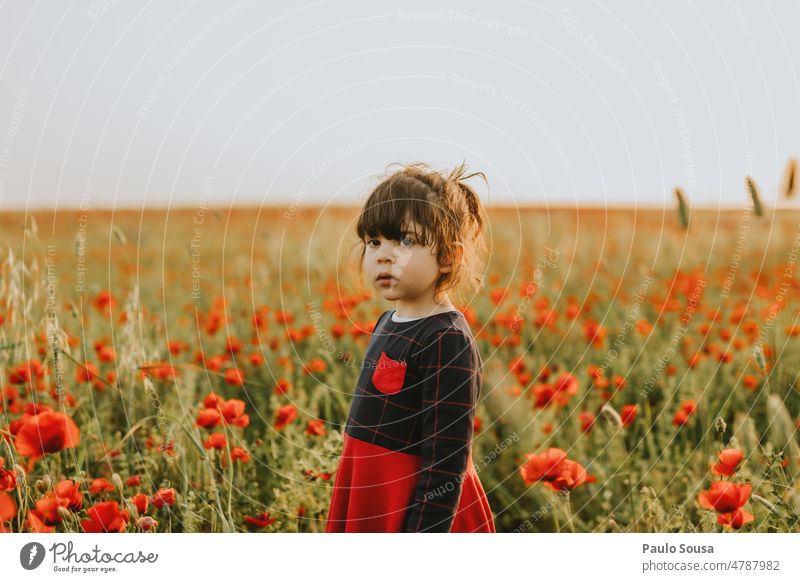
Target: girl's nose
x,y
385,254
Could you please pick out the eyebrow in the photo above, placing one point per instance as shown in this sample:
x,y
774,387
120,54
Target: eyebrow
x,y
405,231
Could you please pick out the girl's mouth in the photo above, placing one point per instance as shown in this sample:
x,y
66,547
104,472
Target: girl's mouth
x,y
385,280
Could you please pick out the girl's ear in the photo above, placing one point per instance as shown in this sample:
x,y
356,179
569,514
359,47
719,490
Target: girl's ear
x,y
458,252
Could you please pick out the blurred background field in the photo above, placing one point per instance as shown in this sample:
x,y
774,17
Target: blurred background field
x,y
207,357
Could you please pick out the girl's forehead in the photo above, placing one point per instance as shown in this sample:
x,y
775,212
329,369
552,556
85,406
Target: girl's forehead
x,y
411,228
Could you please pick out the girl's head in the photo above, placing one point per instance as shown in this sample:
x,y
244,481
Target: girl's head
x,y
424,228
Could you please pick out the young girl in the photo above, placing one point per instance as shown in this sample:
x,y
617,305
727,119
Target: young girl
x,y
407,460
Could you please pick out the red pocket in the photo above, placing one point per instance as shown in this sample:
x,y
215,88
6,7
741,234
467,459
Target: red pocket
x,y
389,374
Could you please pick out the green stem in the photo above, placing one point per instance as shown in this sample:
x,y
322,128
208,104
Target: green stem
x,y
555,513
569,511
230,473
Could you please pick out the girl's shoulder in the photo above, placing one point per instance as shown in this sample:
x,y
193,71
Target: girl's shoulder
x,y
382,319
447,331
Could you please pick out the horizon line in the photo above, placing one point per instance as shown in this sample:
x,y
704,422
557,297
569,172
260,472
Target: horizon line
x,y
786,205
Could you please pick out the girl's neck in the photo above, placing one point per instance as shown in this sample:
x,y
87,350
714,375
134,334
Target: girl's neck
x,y
407,311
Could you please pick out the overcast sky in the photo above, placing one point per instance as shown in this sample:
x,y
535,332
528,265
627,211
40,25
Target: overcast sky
x,y
122,103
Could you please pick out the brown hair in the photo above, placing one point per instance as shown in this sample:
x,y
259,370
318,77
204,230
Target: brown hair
x,y
444,207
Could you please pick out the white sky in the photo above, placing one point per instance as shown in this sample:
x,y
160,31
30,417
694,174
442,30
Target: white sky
x,y
122,103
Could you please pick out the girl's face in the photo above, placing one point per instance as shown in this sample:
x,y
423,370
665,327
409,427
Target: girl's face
x,y
404,270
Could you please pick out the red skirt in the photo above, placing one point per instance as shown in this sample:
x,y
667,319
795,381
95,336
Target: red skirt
x,y
374,488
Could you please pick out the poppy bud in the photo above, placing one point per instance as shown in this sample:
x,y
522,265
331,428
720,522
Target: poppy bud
x,y
130,506
43,484
765,503
612,415
63,513
146,522
759,355
117,481
21,474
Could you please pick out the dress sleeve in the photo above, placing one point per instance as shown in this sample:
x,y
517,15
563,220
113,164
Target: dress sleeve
x,y
450,378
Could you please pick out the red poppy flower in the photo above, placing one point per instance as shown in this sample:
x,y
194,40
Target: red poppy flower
x,y
46,510
750,381
724,496
553,469
566,385
176,347
234,344
99,485
208,418
285,415
161,370
680,418
628,414
315,427
104,301
8,508
727,499
282,387
48,432
217,440
71,492
239,454
261,520
213,400
26,371
234,377
163,497
735,519
233,412
315,365
36,524
105,517
216,319
543,395
34,408
106,354
140,502
689,406
8,477
594,333
29,372
146,523
729,460
587,420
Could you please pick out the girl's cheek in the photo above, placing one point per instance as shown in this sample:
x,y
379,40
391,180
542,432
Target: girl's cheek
x,y
403,256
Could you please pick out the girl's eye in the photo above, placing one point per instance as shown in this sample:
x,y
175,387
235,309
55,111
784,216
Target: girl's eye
x,y
373,240
407,241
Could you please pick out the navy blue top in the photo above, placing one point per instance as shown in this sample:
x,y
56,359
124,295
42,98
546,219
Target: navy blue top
x,y
416,393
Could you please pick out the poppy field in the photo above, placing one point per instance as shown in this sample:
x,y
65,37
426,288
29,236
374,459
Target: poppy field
x,y
191,370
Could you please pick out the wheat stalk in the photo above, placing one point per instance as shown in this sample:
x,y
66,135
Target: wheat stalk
x,y
119,235
781,427
790,181
758,208
683,208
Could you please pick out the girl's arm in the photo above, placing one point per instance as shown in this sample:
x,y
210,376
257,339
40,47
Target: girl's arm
x,y
450,383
